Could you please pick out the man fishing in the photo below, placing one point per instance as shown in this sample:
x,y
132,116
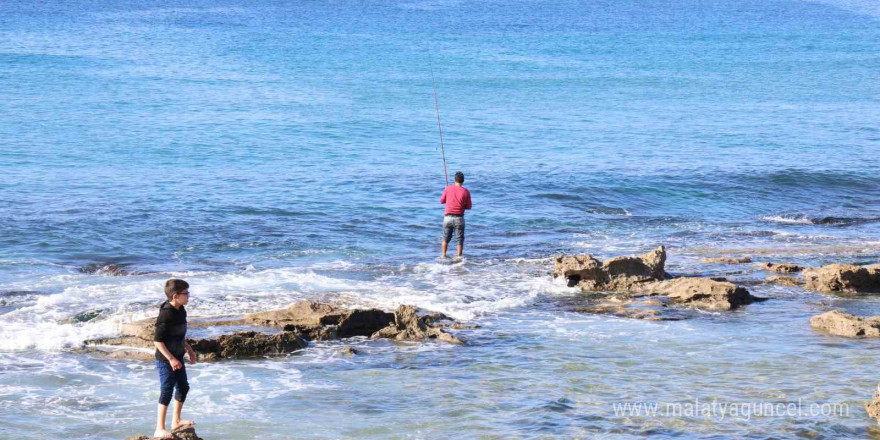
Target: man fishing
x,y
457,199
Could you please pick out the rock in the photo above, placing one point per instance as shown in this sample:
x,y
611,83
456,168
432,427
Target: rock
x,y
780,267
844,324
843,278
616,274
111,270
647,309
728,260
318,321
348,351
407,326
703,293
248,344
873,407
177,434
784,281
234,346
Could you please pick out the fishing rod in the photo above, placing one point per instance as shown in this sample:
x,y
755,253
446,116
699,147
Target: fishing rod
x,y
437,108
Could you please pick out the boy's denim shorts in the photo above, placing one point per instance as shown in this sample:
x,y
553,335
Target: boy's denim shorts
x,y
452,223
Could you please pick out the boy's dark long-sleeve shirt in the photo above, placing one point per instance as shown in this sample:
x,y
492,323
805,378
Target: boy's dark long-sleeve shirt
x,y
171,329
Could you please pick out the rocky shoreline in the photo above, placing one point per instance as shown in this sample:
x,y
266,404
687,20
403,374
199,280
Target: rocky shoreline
x,y
636,287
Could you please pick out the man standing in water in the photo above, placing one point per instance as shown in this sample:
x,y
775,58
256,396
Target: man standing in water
x,y
457,199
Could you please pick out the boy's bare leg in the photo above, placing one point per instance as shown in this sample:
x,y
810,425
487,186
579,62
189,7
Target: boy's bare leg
x,y
460,248
160,423
176,422
443,248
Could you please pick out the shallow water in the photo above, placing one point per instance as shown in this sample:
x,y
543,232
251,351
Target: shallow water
x,y
274,151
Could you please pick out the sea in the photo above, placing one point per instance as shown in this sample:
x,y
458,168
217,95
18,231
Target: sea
x,y
274,151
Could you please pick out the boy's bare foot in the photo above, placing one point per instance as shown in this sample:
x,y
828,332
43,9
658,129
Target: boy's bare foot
x,y
182,424
161,433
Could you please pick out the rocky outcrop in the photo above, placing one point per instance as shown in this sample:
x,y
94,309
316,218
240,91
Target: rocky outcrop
x,y
408,326
873,407
616,274
784,281
296,325
703,293
780,267
643,308
248,344
728,260
843,278
319,321
178,434
844,324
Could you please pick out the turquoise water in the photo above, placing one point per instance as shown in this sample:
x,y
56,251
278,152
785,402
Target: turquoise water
x,y
274,151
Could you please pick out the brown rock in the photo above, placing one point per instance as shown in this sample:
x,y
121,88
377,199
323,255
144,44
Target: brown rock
x,y
616,274
728,260
873,407
780,267
703,293
249,344
318,321
407,326
843,278
177,434
784,281
844,324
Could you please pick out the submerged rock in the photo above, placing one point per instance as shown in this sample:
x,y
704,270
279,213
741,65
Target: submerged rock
x,y
873,407
704,293
784,281
178,434
407,326
781,267
112,270
843,278
728,260
844,324
646,309
616,274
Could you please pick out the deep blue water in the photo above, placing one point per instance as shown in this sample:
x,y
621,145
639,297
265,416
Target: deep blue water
x,y
274,150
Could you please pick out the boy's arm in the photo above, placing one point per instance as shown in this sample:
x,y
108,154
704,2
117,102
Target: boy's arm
x,y
190,352
443,197
175,363
468,201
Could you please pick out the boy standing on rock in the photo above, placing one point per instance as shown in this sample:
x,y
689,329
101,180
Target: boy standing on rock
x,y
457,199
171,345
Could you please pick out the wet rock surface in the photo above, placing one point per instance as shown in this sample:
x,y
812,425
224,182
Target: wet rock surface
x,y
781,267
297,324
408,326
873,407
784,281
843,278
704,293
616,274
179,434
728,260
844,324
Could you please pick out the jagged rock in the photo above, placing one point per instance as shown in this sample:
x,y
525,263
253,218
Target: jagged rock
x,y
728,260
616,274
843,278
318,321
178,434
844,324
873,407
703,293
113,270
407,326
784,281
780,267
249,344
348,351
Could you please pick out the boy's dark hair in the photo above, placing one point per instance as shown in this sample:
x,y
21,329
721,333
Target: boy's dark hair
x,y
173,286
459,177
